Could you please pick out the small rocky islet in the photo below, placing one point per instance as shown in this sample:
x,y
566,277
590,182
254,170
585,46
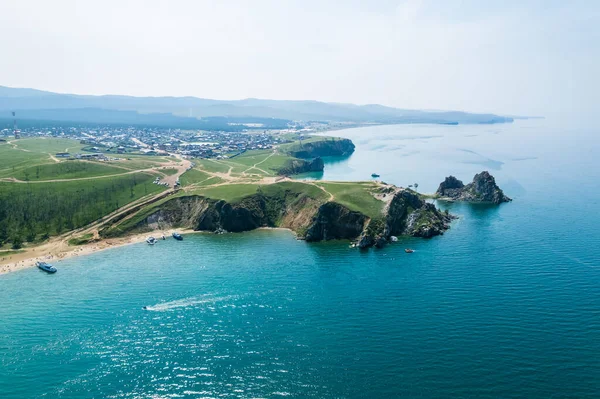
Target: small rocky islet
x,y
483,188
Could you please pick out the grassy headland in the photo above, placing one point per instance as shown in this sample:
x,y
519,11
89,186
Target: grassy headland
x,y
42,196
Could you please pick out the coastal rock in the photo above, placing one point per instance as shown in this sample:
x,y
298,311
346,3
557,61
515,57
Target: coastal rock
x,y
380,242
296,166
450,187
409,215
311,218
335,221
323,148
365,241
483,188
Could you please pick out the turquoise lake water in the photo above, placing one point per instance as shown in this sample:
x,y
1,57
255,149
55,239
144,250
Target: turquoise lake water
x,y
505,305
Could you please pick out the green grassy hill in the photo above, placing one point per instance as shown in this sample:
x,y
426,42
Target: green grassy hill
x,y
66,170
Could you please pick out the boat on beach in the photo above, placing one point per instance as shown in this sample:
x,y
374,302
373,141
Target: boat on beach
x,y
47,267
177,236
151,240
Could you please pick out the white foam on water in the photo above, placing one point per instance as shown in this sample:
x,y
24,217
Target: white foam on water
x,y
189,302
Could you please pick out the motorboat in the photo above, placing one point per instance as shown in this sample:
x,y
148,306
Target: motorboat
x,y
47,267
409,251
374,175
151,240
177,236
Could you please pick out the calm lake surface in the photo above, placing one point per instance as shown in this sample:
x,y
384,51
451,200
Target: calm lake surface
x,y
504,305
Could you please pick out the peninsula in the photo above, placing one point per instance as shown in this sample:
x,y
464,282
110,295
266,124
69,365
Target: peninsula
x,y
52,205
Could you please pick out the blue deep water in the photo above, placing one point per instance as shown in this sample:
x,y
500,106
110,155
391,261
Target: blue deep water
x,y
505,305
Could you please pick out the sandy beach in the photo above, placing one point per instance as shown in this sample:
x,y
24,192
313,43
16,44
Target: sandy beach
x,y
58,249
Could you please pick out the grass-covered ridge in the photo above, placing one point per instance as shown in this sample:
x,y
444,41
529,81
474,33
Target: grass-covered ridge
x,y
67,170
13,160
356,196
48,145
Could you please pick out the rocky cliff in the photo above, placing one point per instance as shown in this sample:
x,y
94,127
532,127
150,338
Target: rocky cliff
x,y
335,221
312,218
406,214
296,166
483,188
205,214
323,148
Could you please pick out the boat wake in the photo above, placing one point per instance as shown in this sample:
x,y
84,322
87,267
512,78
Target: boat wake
x,y
189,302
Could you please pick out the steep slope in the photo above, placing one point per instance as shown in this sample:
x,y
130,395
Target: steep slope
x,y
322,148
298,206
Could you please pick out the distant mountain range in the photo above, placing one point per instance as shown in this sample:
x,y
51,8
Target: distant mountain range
x,y
193,112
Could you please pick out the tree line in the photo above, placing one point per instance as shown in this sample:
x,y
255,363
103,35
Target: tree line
x,y
31,212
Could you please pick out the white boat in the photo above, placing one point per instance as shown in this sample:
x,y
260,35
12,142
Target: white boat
x,y
151,240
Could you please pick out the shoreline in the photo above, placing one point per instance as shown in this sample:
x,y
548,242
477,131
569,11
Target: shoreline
x,y
56,251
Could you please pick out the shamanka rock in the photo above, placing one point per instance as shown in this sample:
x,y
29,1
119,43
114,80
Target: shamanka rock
x,y
483,188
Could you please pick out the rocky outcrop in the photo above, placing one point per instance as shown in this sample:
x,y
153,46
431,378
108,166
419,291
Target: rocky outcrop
x,y
254,211
323,148
335,221
406,214
451,187
297,166
409,215
312,219
483,188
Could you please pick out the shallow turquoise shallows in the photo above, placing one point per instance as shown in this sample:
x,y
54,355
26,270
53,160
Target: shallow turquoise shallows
x,y
504,305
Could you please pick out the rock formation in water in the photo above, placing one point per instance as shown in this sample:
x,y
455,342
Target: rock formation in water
x,y
483,188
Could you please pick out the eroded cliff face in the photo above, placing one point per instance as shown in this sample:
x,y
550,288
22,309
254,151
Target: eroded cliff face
x,y
297,166
335,221
324,148
407,214
201,213
311,219
483,188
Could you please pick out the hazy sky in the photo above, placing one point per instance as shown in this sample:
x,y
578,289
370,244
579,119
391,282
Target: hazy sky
x,y
511,57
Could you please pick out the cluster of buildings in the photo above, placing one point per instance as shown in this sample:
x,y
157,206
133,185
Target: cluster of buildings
x,y
225,144
101,142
